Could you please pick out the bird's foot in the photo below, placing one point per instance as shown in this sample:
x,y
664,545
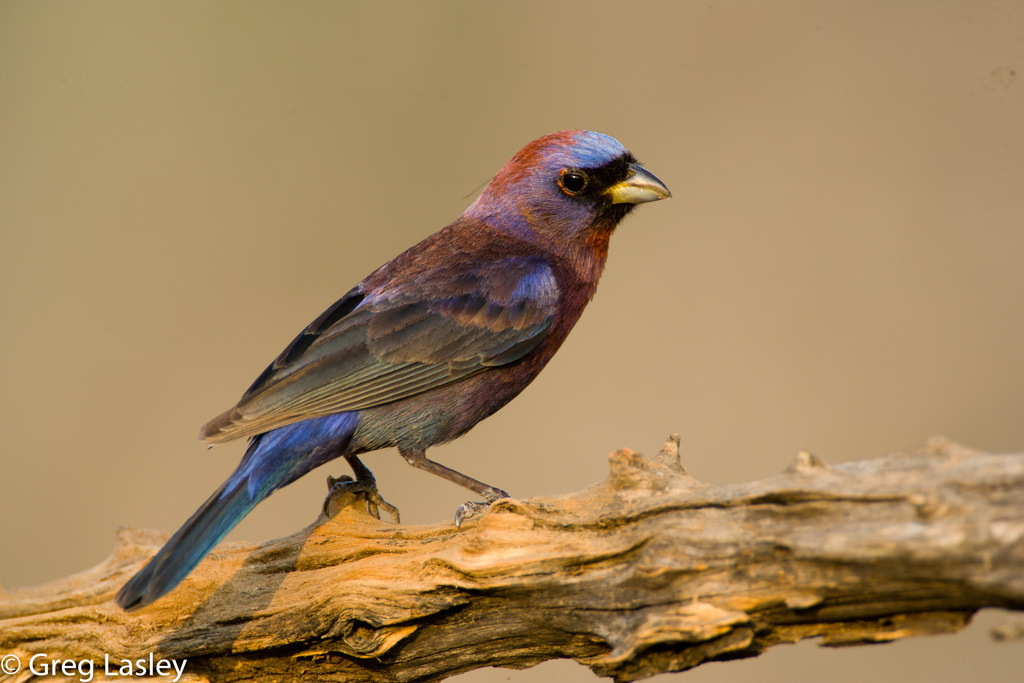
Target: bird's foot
x,y
364,488
471,508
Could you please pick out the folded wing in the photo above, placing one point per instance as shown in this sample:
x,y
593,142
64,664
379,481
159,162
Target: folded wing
x,y
377,347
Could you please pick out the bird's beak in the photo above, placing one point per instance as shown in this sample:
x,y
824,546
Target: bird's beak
x,y
640,186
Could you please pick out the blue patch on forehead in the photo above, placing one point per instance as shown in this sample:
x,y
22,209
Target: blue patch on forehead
x,y
591,149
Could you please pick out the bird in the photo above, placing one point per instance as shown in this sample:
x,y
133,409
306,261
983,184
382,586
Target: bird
x,y
426,346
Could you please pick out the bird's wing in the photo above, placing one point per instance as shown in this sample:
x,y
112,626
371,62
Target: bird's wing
x,y
376,347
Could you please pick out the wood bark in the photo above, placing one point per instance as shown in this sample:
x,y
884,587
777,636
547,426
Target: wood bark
x,y
646,572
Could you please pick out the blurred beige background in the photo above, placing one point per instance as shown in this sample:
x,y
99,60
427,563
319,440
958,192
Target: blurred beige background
x,y
184,186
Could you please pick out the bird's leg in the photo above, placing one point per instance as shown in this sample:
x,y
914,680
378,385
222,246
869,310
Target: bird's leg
x,y
418,459
365,484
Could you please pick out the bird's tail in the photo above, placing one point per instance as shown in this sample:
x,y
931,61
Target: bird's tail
x,y
180,555
274,459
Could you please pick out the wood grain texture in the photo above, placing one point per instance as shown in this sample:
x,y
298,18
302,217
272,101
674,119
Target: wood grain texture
x,y
647,572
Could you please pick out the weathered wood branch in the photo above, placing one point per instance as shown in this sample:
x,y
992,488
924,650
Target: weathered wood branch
x,y
646,572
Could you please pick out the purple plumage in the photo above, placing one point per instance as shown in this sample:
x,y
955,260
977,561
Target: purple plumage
x,y
429,344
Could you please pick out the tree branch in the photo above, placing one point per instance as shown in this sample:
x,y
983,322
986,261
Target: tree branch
x,y
647,572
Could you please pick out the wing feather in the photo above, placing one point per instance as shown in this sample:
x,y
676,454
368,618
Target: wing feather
x,y
374,348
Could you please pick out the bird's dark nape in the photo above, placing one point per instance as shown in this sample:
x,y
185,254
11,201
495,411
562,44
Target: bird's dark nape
x,y
427,345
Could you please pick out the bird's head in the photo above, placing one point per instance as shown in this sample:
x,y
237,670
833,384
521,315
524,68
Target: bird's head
x,y
567,190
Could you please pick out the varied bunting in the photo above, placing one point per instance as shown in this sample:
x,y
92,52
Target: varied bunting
x,y
429,344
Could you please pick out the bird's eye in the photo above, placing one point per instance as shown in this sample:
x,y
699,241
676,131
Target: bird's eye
x,y
572,181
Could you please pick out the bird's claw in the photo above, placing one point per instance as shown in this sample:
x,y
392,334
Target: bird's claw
x,y
471,508
365,488
467,510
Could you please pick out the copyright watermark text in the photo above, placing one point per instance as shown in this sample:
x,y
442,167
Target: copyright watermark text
x,y
86,669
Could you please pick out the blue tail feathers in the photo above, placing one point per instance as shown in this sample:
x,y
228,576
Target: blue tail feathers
x,y
273,460
179,556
